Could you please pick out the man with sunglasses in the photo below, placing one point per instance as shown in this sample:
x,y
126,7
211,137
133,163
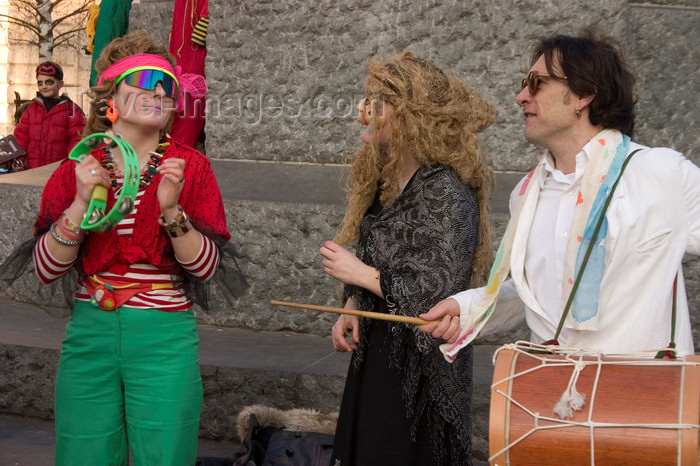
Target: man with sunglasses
x,y
582,266
51,125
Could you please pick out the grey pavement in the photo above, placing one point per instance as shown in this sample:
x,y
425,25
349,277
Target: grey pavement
x,y
26,441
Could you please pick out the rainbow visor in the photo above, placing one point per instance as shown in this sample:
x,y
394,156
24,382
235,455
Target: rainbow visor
x,y
149,77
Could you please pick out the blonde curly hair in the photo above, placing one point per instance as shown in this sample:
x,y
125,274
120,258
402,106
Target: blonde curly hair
x,y
436,117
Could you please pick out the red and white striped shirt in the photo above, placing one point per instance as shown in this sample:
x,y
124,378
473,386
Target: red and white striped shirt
x,y
164,296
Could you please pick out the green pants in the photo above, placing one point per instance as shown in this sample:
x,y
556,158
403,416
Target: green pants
x,y
128,378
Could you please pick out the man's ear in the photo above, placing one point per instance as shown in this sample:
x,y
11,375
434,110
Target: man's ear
x,y
60,84
584,102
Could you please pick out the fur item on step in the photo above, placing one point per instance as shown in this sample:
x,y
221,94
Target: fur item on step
x,y
307,420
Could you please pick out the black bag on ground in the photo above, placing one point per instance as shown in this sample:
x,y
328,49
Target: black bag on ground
x,y
275,446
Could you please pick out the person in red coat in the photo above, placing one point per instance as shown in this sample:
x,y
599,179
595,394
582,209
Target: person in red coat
x,y
51,125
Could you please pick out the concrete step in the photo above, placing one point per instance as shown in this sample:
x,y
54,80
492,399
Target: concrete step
x,y
239,368
307,183
26,441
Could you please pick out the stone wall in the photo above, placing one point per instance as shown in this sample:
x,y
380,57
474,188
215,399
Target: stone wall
x,y
666,60
278,243
284,80
316,54
29,375
285,76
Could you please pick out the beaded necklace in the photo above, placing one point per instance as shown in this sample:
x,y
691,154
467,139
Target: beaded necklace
x,y
147,174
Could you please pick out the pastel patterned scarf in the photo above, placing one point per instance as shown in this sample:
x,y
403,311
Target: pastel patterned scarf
x,y
608,152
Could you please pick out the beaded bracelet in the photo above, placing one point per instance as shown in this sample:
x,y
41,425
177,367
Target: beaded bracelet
x,y
178,226
67,234
63,241
65,221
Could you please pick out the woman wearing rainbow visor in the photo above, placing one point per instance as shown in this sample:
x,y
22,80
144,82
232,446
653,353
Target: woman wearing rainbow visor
x,y
129,366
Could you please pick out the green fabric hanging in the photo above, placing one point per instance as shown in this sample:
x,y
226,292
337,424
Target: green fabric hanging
x,y
112,22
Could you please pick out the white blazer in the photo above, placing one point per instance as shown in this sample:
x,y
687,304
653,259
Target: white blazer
x,y
653,220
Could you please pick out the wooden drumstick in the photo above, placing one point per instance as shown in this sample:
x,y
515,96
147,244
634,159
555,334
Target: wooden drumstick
x,y
355,312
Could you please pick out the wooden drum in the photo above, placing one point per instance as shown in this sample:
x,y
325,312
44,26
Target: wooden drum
x,y
635,410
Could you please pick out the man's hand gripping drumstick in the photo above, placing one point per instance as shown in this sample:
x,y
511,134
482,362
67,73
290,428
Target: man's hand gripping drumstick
x,y
444,320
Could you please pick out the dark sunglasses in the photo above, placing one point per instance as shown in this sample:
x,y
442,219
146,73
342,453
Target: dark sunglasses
x,y
149,78
48,82
532,81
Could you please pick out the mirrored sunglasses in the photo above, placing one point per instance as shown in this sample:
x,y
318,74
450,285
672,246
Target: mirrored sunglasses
x,y
532,81
149,78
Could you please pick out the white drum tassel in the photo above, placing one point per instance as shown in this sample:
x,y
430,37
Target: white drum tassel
x,y
571,400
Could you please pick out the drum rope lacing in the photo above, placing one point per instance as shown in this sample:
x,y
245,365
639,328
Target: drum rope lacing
x,y
527,348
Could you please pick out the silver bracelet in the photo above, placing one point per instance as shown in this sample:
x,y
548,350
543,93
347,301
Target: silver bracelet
x,y
63,241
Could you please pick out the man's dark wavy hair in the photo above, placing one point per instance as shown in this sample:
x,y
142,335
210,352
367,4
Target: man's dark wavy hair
x,y
593,65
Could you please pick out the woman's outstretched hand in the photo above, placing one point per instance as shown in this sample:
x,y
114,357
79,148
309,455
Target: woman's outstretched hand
x,y
345,326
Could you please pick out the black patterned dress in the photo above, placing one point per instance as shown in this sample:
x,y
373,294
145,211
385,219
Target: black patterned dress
x,y
403,403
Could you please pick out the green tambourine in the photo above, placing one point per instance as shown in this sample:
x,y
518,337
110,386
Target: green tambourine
x,y
95,218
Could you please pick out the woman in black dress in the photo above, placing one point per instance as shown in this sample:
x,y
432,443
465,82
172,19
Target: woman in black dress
x,y
417,218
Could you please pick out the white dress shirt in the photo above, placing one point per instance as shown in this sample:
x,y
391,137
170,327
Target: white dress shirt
x,y
653,220
544,267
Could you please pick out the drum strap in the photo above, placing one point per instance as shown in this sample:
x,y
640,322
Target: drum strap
x,y
671,353
555,340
